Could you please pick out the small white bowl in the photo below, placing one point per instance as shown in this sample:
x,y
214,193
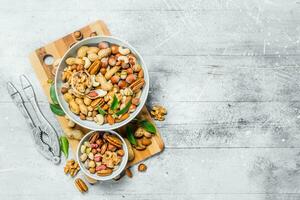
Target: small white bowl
x,y
93,41
115,173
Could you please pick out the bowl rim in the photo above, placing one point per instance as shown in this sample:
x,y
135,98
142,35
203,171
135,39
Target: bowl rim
x,y
132,115
121,167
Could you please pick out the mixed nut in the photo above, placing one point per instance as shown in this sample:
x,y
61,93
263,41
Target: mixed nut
x,y
103,83
72,167
102,154
158,112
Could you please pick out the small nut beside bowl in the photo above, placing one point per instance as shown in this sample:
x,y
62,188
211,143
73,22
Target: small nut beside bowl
x,y
102,155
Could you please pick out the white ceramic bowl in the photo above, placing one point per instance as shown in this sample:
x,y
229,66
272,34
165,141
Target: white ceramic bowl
x,y
93,41
116,172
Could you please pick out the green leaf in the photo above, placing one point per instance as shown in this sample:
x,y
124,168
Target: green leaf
x,y
125,109
56,109
115,103
64,145
102,112
53,94
130,135
148,126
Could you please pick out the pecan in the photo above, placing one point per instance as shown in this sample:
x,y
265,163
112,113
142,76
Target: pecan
x,y
94,137
95,67
97,102
80,184
104,172
114,140
103,148
137,85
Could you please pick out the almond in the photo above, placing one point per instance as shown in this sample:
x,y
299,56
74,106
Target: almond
x,y
110,119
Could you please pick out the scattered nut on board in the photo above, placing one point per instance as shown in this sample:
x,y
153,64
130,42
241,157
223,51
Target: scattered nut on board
x,y
78,35
80,185
128,173
142,167
93,34
158,112
72,167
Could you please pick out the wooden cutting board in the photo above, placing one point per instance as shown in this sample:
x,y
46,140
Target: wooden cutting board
x,y
46,72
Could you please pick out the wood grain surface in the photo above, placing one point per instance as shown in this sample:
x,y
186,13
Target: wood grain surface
x,y
46,72
226,70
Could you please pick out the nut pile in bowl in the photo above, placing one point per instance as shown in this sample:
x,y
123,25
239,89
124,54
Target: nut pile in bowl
x,y
102,153
102,83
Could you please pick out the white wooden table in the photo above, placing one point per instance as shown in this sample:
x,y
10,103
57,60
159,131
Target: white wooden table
x,y
228,72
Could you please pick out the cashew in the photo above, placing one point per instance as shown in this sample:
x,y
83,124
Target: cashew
x,y
74,107
124,51
71,124
105,85
127,92
79,101
111,72
93,50
87,62
123,58
72,61
87,101
92,57
104,53
83,109
81,52
99,119
94,82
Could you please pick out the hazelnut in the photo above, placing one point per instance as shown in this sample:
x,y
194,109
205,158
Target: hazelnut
x,y
114,49
112,61
135,101
78,35
64,90
104,62
129,71
94,151
111,147
130,78
115,79
132,108
99,142
103,45
142,167
122,84
103,71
